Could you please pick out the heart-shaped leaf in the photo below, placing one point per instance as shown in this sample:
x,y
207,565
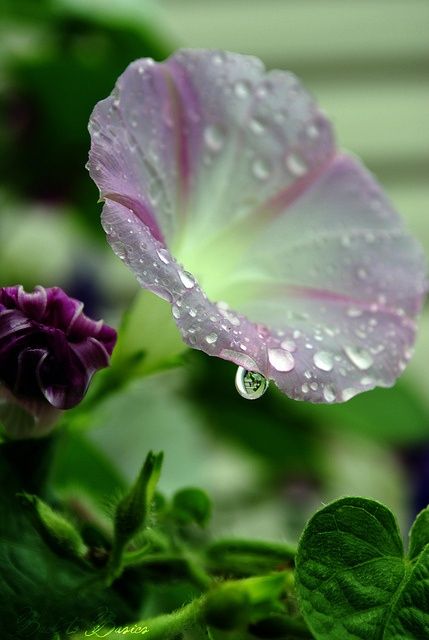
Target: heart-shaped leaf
x,y
353,579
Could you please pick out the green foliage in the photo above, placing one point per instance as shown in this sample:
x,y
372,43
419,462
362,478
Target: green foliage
x,y
398,415
191,505
80,466
353,578
75,52
44,589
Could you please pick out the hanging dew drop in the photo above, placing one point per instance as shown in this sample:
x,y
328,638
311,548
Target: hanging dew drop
x,y
250,384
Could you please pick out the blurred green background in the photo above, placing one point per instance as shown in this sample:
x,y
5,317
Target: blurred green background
x,y
271,463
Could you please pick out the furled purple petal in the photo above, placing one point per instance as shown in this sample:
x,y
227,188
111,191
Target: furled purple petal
x,y
32,304
49,349
234,172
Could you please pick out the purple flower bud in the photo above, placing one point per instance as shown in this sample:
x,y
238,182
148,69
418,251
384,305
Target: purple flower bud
x,y
49,349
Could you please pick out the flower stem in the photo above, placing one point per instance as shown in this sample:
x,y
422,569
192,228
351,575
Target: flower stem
x,y
248,557
163,627
277,550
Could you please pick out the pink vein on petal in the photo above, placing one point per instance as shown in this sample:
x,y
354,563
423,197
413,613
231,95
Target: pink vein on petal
x,y
141,211
181,92
285,198
332,296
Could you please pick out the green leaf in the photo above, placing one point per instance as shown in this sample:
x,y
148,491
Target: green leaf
x,y
353,579
43,590
419,534
396,415
148,338
80,466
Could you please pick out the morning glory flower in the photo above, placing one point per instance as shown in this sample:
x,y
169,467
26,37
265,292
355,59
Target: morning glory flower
x,y
225,194
49,351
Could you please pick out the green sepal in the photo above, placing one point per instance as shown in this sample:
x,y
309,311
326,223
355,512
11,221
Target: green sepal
x,y
131,514
58,532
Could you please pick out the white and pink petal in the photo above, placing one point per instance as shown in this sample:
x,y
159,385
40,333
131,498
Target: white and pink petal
x,y
234,172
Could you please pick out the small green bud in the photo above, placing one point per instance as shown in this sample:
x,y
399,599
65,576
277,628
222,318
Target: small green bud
x,y
132,511
191,505
56,530
235,604
227,607
265,589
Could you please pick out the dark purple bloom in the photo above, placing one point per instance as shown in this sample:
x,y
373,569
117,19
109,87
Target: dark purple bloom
x,y
49,349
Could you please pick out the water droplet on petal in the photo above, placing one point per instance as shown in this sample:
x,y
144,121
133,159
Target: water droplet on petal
x,y
296,165
354,312
241,359
261,169
256,126
211,338
289,345
359,357
250,384
187,279
176,312
214,138
312,131
242,89
362,273
164,256
329,393
281,360
218,58
323,360
349,393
